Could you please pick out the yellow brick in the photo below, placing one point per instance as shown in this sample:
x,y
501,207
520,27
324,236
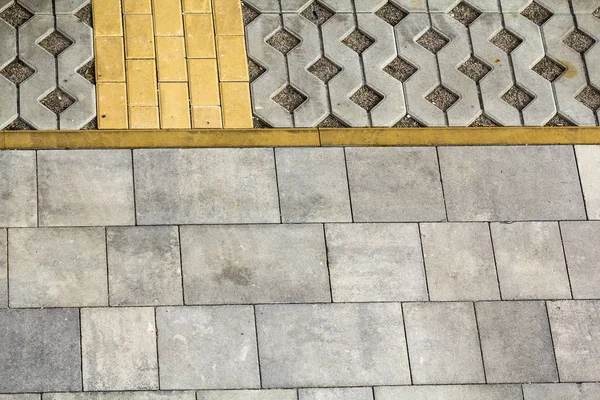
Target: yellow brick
x,y
174,105
196,6
206,117
200,36
141,83
228,17
139,37
235,101
110,60
233,64
171,59
107,18
167,18
204,83
137,7
112,105
143,118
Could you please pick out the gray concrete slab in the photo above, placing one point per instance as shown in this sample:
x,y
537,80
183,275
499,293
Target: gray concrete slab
x,y
118,349
560,391
443,392
336,394
197,186
39,350
57,267
20,396
275,394
375,262
516,342
588,159
395,184
85,188
162,395
207,347
254,264
18,189
511,183
331,345
582,257
3,270
144,266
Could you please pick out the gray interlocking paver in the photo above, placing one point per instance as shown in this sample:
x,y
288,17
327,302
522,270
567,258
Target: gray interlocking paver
x,y
254,264
3,270
516,342
517,6
448,392
118,349
38,6
85,187
57,267
336,394
395,184
8,51
69,6
39,350
576,334
446,6
511,183
274,394
375,262
292,6
588,160
144,266
207,347
18,189
562,391
20,396
331,345
582,257
585,6
175,186
459,261
264,6
369,6
313,186
139,395
443,344
530,261
591,25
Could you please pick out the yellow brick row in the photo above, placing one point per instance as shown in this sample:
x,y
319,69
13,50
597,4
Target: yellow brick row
x,y
167,18
137,7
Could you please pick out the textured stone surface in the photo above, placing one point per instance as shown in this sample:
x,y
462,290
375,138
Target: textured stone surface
x,y
162,395
18,189
336,394
276,394
582,257
462,392
588,159
559,391
3,270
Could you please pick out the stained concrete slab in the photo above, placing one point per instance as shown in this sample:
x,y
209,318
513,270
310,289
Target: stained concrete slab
x,y
582,257
449,392
18,189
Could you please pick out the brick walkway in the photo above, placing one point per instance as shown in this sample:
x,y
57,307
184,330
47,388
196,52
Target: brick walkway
x,y
323,273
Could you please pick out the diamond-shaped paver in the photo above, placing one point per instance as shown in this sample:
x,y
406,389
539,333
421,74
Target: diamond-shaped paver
x,y
283,41
391,14
537,13
432,41
17,72
442,98
559,120
57,101
483,120
16,15
324,69
474,68
317,13
517,97
366,98
55,43
358,41
400,69
249,14
289,98
548,69
506,41
590,96
579,41
464,13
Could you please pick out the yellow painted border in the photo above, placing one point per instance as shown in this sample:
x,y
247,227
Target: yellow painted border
x,y
188,138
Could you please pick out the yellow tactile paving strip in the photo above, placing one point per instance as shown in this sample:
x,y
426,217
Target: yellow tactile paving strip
x,y
171,64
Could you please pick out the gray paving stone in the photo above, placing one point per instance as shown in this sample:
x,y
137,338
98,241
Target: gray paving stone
x,y
332,345
313,186
445,6
3,270
207,347
118,349
530,261
511,183
562,391
588,159
8,51
254,264
144,266
264,6
443,344
38,6
408,5
442,392
288,6
20,396
516,342
85,187
69,6
39,350
336,394
18,189
162,395
275,394
582,257
516,6
375,262
395,184
584,6
590,25
193,186
576,334
57,267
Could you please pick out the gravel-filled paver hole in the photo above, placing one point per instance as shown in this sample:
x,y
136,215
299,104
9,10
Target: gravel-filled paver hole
x,y
548,69
283,41
55,43
92,125
474,69
57,101
442,98
590,96
88,71
249,14
358,41
254,70
559,120
16,15
259,123
324,69
391,14
482,121
506,41
366,98
517,97
408,122
596,13
19,125
579,41
464,13
331,122
400,69
85,15
289,98
17,72
317,13
536,13
432,41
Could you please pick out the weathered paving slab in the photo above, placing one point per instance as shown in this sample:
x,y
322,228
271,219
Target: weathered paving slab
x,y
582,257
588,160
18,192
275,394
336,394
556,391
139,395
3,270
462,392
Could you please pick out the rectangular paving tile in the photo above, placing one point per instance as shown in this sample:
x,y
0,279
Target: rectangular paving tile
x,y
443,343
237,109
274,394
57,267
3,270
395,184
197,6
107,17
254,264
441,392
459,261
139,36
170,59
167,17
174,105
20,396
228,17
576,334
206,117
336,394
200,36
207,347
516,342
85,188
110,59
18,192
39,350
137,6
332,345
162,395
530,261
144,266
588,159
205,186
313,186
579,238
375,262
562,391
233,64
204,82
511,183
141,84
112,105
143,118
118,349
